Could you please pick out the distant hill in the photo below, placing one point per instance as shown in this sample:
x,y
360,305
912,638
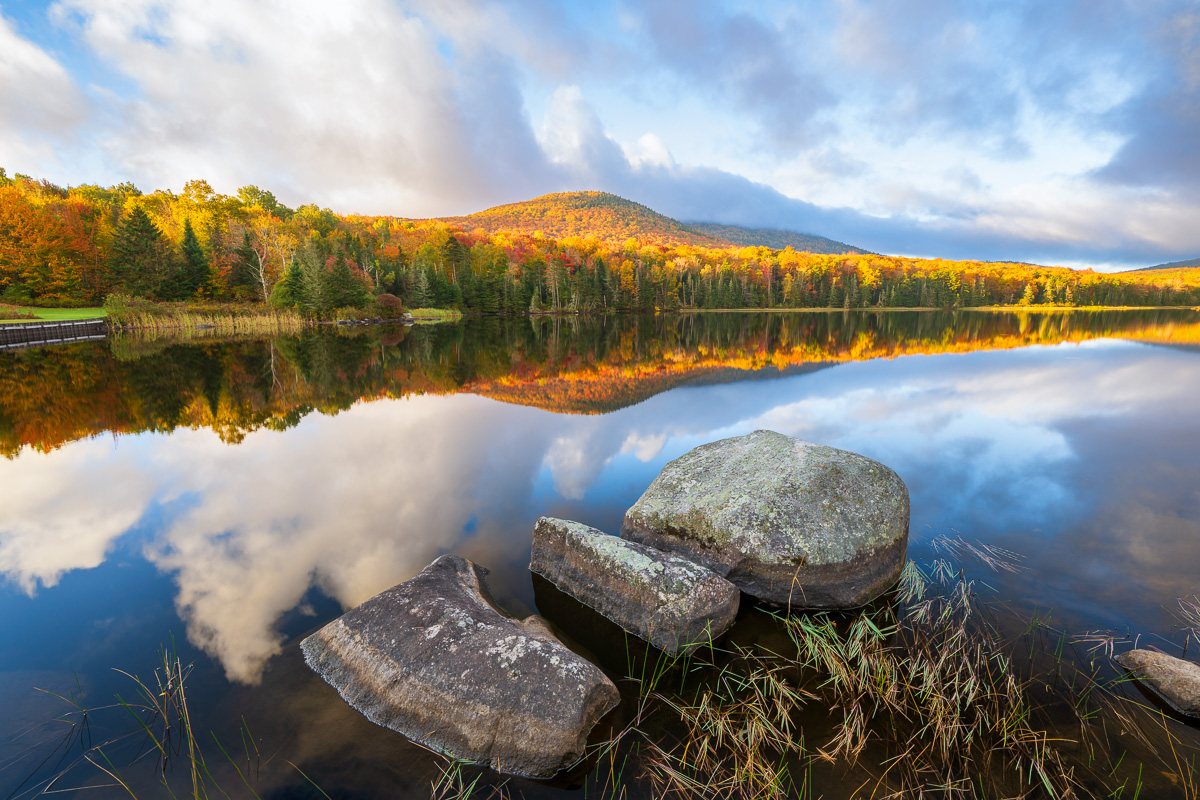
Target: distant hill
x,y
615,220
605,216
766,237
1190,264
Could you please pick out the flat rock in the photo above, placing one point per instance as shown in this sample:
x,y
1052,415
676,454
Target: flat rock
x,y
434,659
1176,681
787,521
671,602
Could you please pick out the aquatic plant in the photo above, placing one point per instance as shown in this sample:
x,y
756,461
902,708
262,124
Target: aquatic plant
x,y
925,695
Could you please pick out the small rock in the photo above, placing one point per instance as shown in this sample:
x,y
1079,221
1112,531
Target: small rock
x,y
1176,681
787,521
671,602
435,660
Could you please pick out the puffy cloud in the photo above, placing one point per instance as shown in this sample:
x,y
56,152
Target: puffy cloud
x,y
351,105
40,106
1048,132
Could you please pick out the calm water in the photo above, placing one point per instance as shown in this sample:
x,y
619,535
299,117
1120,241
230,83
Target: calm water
x,y
232,497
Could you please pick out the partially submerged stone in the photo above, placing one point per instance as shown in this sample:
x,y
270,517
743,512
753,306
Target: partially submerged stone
x,y
1176,681
671,602
788,521
435,660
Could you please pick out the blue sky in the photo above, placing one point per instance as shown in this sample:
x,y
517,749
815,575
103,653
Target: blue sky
x,y
1062,132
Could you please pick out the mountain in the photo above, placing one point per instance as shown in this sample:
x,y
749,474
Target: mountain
x,y
605,216
766,237
615,220
1190,264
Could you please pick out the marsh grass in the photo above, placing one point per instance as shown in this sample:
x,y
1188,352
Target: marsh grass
x,y
157,728
189,319
435,314
939,692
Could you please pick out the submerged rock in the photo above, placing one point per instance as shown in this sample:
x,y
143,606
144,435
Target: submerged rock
x,y
788,521
1176,681
435,660
671,602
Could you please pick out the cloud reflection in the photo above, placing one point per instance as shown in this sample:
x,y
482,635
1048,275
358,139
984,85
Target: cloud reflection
x,y
352,504
63,510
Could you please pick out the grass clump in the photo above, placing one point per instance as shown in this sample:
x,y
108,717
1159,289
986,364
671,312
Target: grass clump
x,y
435,314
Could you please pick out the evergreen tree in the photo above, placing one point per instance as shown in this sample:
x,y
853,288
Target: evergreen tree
x,y
399,270
289,291
244,264
419,296
342,288
195,274
136,260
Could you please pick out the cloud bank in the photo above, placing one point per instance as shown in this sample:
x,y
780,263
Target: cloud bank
x,y
1048,132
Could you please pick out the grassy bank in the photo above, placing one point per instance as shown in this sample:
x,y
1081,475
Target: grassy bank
x,y
129,313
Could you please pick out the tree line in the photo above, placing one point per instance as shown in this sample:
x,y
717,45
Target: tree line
x,y
74,246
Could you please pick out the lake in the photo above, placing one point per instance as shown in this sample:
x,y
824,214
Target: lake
x,y
222,499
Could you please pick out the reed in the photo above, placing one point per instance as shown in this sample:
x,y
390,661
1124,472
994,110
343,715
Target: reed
x,y
944,699
158,728
143,316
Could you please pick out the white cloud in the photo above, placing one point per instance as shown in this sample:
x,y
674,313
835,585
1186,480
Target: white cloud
x,y
40,105
348,105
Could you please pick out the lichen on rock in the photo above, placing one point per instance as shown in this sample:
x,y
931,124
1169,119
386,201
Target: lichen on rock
x,y
669,601
434,659
788,521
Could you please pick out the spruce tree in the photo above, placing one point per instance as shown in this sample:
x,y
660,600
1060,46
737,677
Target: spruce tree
x,y
136,258
195,274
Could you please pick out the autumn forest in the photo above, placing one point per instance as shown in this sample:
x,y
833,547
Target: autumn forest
x,y
574,252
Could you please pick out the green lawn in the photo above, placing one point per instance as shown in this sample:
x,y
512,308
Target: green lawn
x,y
59,313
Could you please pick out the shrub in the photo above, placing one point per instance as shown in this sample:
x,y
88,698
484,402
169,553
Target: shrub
x,y
12,312
386,306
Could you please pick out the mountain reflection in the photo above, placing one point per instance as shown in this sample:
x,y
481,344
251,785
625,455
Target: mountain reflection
x,y
1024,448
581,365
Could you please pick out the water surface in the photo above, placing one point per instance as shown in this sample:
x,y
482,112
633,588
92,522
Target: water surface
x,y
231,497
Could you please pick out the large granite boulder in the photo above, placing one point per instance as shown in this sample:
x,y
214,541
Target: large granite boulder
x,y
1176,681
671,602
788,521
434,659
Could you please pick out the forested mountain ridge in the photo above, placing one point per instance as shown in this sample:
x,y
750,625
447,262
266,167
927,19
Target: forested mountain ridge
x,y
597,215
775,239
1193,263
76,246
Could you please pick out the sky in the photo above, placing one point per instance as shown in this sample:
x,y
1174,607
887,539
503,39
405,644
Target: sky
x,y
1058,132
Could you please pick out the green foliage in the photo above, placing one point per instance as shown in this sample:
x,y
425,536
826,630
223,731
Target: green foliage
x,y
194,275
139,260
